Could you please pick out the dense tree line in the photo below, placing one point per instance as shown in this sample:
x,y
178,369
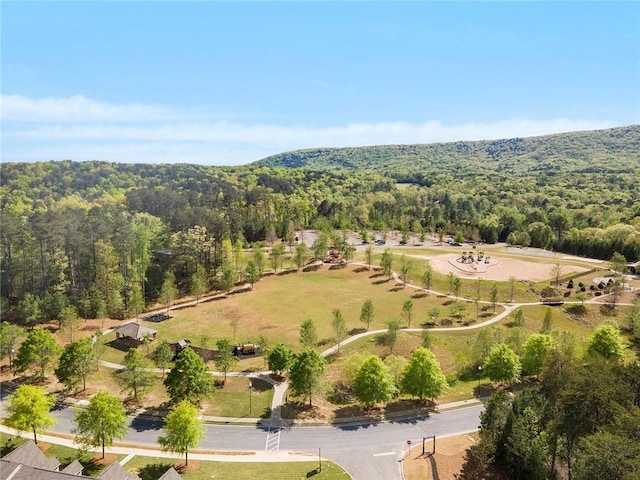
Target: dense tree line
x,y
101,237
579,420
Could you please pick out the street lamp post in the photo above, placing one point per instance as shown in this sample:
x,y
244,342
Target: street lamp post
x,y
250,387
11,356
479,374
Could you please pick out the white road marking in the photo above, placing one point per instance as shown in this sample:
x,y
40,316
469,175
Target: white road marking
x,y
383,454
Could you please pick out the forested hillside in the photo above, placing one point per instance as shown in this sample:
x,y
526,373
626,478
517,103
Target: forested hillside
x,y
104,235
613,150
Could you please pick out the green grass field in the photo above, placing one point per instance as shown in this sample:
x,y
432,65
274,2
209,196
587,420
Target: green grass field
x,y
278,305
151,468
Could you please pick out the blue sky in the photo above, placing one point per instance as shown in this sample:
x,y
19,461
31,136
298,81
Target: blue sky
x,y
229,83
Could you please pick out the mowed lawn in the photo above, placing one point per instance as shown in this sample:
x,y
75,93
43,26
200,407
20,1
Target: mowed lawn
x,y
278,305
151,468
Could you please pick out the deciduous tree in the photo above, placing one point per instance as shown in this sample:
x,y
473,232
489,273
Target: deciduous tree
x,y
406,266
493,296
199,284
423,377
104,420
386,262
162,356
76,363
279,358
189,379
606,342
9,337
503,365
373,382
407,311
225,360
183,430
391,335
137,376
70,323
169,291
366,312
536,348
39,351
368,256
252,273
427,276
301,254
305,373
339,327
28,409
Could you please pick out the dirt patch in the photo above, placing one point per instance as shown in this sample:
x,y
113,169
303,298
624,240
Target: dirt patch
x,y
192,466
501,268
444,464
44,446
108,459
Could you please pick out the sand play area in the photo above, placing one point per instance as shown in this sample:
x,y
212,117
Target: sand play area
x,y
497,268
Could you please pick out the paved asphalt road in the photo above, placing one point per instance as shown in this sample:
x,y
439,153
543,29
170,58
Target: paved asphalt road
x,y
367,452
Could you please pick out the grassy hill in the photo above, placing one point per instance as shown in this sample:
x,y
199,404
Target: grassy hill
x,y
614,150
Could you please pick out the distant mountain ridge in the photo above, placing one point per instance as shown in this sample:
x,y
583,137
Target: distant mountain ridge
x,y
606,150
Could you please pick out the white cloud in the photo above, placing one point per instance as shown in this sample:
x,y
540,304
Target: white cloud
x,y
79,128
76,108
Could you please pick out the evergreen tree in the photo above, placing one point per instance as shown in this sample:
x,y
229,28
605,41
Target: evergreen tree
x,y
308,333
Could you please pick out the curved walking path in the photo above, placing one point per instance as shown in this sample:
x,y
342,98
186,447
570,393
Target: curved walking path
x,y
280,388
360,461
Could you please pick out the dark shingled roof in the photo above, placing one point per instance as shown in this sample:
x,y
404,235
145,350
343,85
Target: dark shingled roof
x,y
29,454
115,471
170,474
74,468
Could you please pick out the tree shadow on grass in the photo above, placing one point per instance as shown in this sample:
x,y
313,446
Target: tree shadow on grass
x,y
381,282
377,275
92,464
419,295
356,331
153,471
360,269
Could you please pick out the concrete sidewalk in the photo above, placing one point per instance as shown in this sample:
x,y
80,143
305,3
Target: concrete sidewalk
x,y
196,454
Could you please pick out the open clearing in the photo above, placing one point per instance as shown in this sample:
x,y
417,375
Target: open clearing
x,y
500,268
